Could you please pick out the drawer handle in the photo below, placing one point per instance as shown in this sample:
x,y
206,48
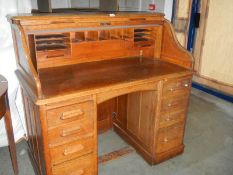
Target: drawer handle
x,y
71,114
54,56
165,140
169,104
67,132
137,19
79,172
171,89
105,23
73,150
186,85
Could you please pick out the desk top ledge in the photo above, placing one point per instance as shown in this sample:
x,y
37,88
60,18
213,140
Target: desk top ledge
x,y
15,18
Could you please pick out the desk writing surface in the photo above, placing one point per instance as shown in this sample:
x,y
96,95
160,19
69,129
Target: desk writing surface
x,y
93,75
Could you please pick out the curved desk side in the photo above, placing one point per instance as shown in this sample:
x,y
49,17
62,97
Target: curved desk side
x,y
26,68
172,51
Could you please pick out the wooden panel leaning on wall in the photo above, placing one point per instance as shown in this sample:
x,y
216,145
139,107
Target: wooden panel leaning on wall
x,y
70,66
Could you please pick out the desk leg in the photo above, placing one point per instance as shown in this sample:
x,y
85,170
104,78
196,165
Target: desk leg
x,y
10,136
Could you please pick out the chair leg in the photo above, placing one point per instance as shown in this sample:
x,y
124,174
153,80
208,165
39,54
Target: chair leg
x,y
11,140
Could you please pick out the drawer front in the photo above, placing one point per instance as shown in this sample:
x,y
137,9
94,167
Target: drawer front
x,y
175,103
170,118
70,113
73,131
84,165
176,87
71,150
49,54
170,137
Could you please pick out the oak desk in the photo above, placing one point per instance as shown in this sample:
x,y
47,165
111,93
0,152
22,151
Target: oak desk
x,y
71,66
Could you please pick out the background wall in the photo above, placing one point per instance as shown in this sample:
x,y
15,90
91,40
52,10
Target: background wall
x,y
181,20
124,5
217,56
213,51
8,66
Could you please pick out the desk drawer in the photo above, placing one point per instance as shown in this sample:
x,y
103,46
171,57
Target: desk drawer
x,y
170,137
77,130
171,117
175,103
84,165
71,150
70,113
51,54
177,87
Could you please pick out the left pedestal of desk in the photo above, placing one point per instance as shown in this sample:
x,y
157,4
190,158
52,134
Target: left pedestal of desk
x,y
62,135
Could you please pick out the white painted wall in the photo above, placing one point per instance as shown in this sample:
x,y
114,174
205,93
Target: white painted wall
x,y
60,3
140,5
80,3
168,5
164,6
34,4
8,66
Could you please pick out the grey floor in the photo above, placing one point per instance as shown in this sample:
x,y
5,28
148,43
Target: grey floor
x,y
208,151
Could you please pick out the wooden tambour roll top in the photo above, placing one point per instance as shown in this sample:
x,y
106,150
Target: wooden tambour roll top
x,y
68,64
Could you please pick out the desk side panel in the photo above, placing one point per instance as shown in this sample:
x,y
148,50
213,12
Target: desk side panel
x,y
35,133
172,51
25,65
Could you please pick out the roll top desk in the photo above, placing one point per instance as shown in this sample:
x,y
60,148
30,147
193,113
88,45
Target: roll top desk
x,y
70,65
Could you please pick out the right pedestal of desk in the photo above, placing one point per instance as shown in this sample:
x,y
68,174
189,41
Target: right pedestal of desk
x,y
153,122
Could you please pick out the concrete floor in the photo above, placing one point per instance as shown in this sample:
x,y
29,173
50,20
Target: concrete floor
x,y
208,140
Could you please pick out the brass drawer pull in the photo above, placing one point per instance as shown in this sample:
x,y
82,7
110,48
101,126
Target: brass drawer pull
x,y
54,56
67,132
105,23
87,136
165,140
71,114
138,19
79,172
169,104
186,85
73,150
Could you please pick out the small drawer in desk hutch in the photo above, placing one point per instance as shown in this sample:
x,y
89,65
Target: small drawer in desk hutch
x,y
49,46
